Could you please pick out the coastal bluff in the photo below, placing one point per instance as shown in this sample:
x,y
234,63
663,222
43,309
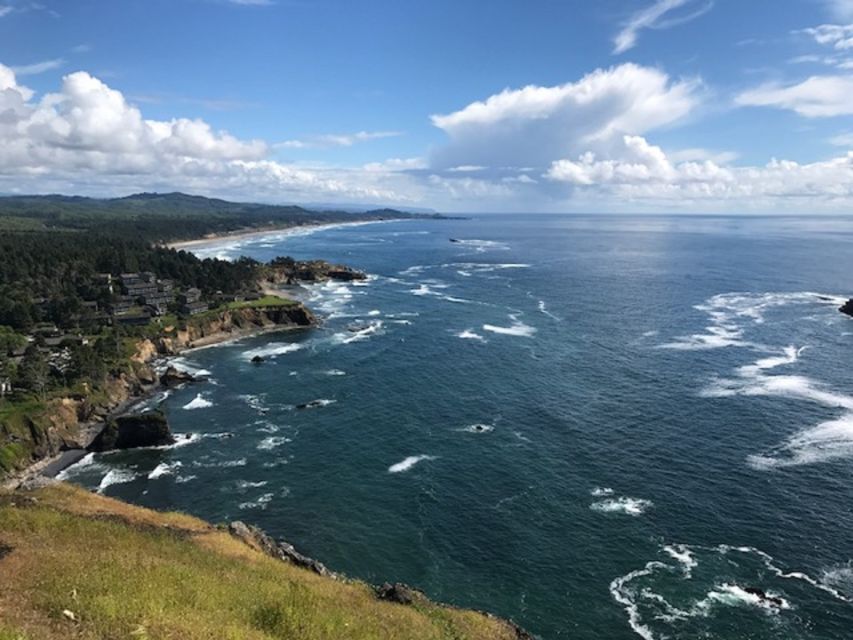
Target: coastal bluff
x,y
41,431
144,574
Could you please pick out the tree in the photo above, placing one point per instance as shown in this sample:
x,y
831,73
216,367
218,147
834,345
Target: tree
x,y
34,372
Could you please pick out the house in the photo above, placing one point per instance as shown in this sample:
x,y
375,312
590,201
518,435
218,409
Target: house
x,y
189,296
122,305
194,308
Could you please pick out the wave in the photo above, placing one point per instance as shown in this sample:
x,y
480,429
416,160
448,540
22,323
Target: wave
x,y
363,333
185,479
729,312
268,444
427,290
481,246
272,350
469,334
246,484
68,472
188,366
335,372
116,476
255,402
543,308
408,463
199,402
517,328
261,503
227,464
623,504
692,591
600,492
164,469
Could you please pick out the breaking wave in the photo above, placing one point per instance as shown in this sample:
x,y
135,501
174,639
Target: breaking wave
x,y
408,463
199,402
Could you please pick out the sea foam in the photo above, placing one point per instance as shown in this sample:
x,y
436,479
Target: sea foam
x,y
408,463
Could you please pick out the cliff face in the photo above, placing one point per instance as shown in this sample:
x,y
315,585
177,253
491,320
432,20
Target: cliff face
x,y
35,431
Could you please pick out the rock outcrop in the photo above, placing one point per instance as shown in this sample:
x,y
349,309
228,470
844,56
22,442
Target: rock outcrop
x,y
258,539
847,307
290,271
173,377
132,431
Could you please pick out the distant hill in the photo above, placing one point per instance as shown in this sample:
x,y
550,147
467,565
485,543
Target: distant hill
x,y
164,216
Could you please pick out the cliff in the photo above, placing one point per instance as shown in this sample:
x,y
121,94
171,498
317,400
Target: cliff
x,y
35,430
143,574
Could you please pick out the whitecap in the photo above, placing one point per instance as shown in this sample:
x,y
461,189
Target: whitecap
x,y
374,312
267,444
600,492
517,328
543,308
116,476
164,469
199,402
272,350
86,461
335,372
261,503
622,504
468,334
246,484
408,463
363,333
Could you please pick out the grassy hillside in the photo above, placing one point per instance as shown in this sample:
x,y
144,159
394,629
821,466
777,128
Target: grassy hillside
x,y
78,565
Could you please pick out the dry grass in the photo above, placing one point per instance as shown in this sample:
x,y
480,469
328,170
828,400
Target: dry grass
x,y
127,572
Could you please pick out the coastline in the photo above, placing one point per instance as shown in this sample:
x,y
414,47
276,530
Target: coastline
x,y
51,467
276,232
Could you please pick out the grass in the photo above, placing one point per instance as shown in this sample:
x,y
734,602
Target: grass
x,y
266,301
128,572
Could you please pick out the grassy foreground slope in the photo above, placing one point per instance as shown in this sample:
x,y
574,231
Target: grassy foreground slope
x,y
78,565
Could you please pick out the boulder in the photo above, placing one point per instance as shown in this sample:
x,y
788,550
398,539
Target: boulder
x,y
399,593
257,360
258,539
173,377
129,432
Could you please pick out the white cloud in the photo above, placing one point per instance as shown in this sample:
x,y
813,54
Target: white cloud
x,y
38,67
532,126
839,37
5,11
653,17
842,140
337,139
643,173
815,97
87,137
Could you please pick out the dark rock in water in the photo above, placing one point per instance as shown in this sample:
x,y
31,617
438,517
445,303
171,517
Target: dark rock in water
x,y
847,307
399,593
455,240
764,597
346,274
355,328
257,360
310,405
258,539
129,432
173,377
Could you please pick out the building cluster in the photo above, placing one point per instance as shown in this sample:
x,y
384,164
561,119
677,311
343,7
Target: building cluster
x,y
140,296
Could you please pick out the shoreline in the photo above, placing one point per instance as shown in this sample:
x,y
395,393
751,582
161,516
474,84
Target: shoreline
x,y
49,468
278,232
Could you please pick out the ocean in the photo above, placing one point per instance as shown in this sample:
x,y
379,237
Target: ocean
x,y
603,427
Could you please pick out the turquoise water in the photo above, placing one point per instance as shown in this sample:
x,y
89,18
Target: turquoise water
x,y
602,427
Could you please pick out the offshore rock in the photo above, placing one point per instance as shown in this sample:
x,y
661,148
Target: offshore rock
x,y
847,307
129,432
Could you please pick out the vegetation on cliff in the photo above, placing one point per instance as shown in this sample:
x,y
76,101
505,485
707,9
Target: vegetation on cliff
x,y
79,565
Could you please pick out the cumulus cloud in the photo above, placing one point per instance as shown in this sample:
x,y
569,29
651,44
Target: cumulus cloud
x,y
532,126
643,172
816,97
89,136
837,36
655,17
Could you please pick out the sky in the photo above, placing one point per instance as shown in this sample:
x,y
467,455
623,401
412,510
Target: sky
x,y
682,106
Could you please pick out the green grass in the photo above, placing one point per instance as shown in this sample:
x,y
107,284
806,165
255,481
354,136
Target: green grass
x,y
127,572
266,301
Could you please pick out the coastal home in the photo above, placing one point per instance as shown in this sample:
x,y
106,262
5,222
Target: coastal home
x,y
194,308
122,305
189,296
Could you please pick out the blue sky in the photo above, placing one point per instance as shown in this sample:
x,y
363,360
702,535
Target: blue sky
x,y
544,105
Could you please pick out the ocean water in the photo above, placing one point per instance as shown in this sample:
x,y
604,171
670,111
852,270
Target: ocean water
x,y
602,427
